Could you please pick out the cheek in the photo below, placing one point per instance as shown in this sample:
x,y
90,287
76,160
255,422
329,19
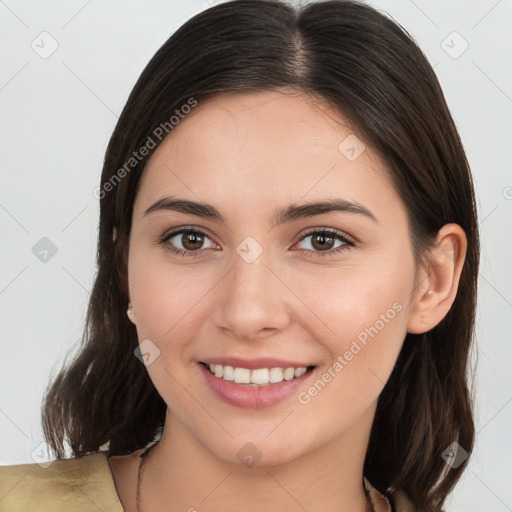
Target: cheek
x,y
346,301
360,361
359,316
168,305
169,300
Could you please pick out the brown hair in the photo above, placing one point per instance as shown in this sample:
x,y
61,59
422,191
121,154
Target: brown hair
x,y
371,71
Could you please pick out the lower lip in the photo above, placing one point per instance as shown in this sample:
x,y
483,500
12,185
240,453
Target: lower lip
x,y
253,397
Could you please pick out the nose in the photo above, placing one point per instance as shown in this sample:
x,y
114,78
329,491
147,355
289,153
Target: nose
x,y
253,301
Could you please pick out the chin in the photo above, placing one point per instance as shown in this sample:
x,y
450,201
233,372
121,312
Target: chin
x,y
255,451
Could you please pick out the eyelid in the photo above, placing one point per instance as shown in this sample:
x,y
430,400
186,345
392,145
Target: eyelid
x,y
315,229
181,230
348,240
332,231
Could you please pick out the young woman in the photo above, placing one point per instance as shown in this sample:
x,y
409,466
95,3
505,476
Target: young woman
x,y
286,286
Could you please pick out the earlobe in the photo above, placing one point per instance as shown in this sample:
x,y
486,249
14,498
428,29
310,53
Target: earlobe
x,y
439,281
131,313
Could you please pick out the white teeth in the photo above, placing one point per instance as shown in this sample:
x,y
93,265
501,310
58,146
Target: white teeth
x,y
257,377
260,376
242,375
276,375
289,374
299,372
229,373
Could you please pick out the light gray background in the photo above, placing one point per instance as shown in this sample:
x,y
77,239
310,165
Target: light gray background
x,y
57,116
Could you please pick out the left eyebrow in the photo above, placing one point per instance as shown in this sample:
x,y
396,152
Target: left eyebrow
x,y
294,212
290,213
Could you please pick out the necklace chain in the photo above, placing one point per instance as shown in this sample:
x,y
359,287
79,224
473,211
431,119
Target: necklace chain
x,y
142,461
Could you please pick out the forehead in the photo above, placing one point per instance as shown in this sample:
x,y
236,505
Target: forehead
x,y
251,148
262,126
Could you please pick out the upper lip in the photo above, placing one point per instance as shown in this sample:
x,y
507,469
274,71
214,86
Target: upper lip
x,y
253,364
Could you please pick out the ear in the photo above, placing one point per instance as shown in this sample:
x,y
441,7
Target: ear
x,y
131,313
131,310
438,279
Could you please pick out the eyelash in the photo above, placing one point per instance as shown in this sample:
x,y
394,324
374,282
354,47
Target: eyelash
x,y
332,233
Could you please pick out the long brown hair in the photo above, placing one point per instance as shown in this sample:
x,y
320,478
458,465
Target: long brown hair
x,y
368,68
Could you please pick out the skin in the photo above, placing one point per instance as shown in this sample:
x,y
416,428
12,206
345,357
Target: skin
x,y
250,155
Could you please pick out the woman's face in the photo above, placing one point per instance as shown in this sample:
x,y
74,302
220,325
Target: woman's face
x,y
262,285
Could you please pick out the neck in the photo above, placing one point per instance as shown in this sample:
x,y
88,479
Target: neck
x,y
181,474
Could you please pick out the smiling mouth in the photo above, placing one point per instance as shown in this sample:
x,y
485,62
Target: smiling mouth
x,y
258,376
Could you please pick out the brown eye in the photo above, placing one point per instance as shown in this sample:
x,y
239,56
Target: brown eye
x,y
192,242
323,241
